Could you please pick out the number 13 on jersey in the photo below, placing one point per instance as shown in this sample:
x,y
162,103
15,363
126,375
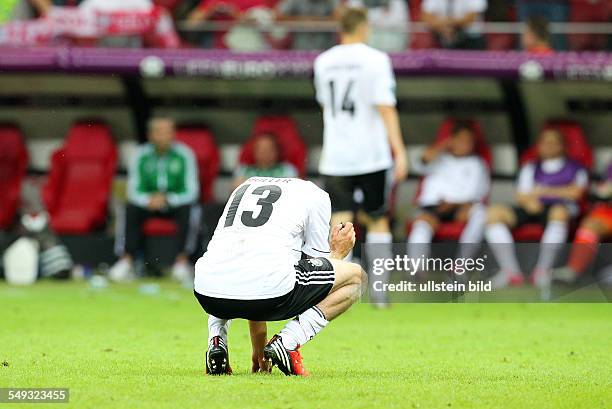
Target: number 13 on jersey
x,y
269,195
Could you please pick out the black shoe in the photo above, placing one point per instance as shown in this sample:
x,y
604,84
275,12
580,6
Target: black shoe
x,y
217,358
288,361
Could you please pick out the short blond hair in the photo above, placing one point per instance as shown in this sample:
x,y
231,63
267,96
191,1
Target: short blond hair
x,y
352,18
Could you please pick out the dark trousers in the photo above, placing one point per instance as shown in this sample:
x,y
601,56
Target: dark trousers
x,y
136,216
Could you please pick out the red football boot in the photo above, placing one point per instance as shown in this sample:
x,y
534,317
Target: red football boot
x,y
288,361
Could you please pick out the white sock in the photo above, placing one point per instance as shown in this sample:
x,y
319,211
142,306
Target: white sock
x,y
555,234
470,239
500,241
419,241
382,245
379,237
303,328
217,328
379,247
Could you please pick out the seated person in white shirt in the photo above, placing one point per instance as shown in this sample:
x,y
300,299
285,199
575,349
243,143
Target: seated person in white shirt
x,y
456,183
455,23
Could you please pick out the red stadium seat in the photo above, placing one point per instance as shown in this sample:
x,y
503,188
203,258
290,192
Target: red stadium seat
x,y
204,147
500,41
159,226
451,231
578,149
77,191
293,149
419,41
13,164
170,5
202,142
503,41
581,11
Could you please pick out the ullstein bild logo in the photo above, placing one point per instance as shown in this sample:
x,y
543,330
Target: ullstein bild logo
x,y
431,286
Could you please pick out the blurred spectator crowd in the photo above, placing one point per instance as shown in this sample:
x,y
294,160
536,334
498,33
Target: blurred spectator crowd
x,y
253,25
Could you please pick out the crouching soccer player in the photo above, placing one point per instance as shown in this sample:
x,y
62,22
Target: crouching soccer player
x,y
270,259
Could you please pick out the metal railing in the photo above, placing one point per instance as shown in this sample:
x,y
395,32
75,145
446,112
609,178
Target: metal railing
x,y
412,27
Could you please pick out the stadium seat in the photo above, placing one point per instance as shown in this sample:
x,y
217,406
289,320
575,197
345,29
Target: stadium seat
x,y
503,41
578,149
602,159
581,11
13,164
500,41
170,5
78,188
451,231
293,149
202,142
419,41
504,159
159,226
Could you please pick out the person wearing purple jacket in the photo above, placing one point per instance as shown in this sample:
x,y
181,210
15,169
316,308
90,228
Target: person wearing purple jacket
x,y
549,189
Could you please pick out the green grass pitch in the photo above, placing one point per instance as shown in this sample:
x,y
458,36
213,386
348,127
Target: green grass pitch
x,y
123,349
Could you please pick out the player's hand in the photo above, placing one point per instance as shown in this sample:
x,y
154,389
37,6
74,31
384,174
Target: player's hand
x,y
342,240
533,205
259,363
445,207
259,334
157,201
539,191
401,168
447,31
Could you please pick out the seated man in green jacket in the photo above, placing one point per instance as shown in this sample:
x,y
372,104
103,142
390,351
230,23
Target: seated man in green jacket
x,y
162,182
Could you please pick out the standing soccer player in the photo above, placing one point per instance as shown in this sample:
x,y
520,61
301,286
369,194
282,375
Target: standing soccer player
x,y
255,269
356,88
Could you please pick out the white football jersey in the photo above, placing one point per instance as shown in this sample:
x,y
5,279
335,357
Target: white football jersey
x,y
116,5
266,225
351,81
453,179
